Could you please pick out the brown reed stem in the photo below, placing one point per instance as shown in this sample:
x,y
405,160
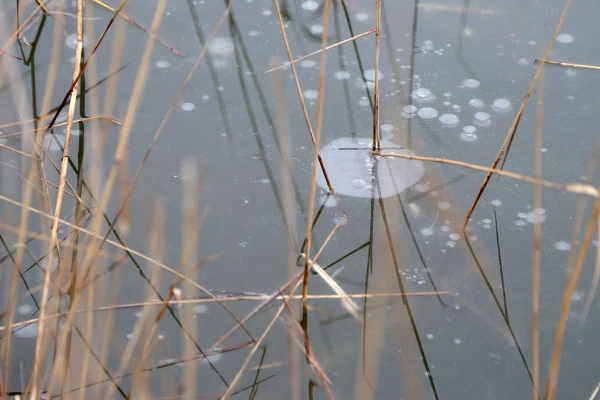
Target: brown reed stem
x,y
301,96
568,64
313,180
376,137
568,187
320,50
537,241
506,144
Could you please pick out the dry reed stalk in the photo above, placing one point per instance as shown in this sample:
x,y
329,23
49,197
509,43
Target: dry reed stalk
x,y
329,237
255,311
64,357
376,138
111,89
38,349
20,29
42,236
120,246
271,365
368,363
131,21
114,243
36,177
595,392
164,122
537,239
572,280
25,27
348,303
38,191
172,291
495,327
103,117
46,103
18,152
242,369
42,6
191,190
313,362
506,144
183,277
237,298
163,364
287,196
313,179
405,325
3,72
567,64
47,92
45,181
191,232
577,223
269,300
186,390
299,90
5,350
475,252
123,142
98,137
593,284
156,242
18,16
123,172
108,322
318,51
568,187
85,64
67,146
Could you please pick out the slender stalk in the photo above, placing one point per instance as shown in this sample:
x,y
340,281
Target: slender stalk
x,y
300,95
505,147
579,188
237,378
595,392
126,18
314,363
287,197
131,113
85,64
313,181
537,241
567,64
114,121
376,137
20,30
320,50
42,6
70,115
163,124
574,272
66,356
27,198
